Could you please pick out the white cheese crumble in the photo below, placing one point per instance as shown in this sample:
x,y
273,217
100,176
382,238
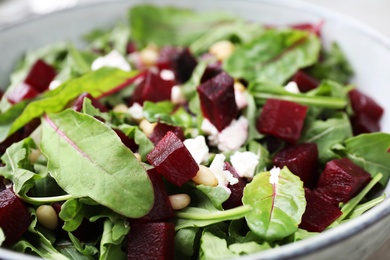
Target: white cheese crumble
x,y
292,87
112,59
54,84
224,177
177,96
198,148
167,75
244,163
136,111
229,139
240,99
274,177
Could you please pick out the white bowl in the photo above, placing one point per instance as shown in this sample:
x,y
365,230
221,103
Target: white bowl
x,y
368,52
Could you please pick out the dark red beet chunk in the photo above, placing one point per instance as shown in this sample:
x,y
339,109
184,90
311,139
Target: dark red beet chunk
x,y
302,160
341,180
212,70
78,103
14,216
367,113
151,241
172,159
162,209
21,92
152,88
282,119
217,100
131,47
40,76
237,189
304,81
130,143
319,213
161,129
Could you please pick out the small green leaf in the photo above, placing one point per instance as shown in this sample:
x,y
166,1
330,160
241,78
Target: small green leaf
x,y
217,195
88,159
277,202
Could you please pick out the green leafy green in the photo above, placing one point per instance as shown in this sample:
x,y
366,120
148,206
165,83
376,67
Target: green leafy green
x,y
171,25
277,205
144,144
83,248
72,213
214,247
361,208
185,240
111,242
217,195
85,157
274,56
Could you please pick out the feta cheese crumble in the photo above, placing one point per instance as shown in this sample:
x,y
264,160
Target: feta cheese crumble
x,y
198,148
177,96
274,177
244,163
54,84
292,87
113,59
224,177
136,111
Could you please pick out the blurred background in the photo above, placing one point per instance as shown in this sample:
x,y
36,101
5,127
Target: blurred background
x,y
374,13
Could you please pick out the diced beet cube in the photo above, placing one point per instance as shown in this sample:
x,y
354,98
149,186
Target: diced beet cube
x,y
14,216
162,209
235,198
212,70
179,60
302,160
172,159
282,119
361,123
161,129
151,241
152,88
78,103
341,180
217,100
131,47
304,81
130,143
21,92
40,76
319,213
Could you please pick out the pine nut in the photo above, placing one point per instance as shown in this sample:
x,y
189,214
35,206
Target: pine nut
x,y
205,176
146,126
239,86
149,56
222,49
179,201
47,216
138,156
34,155
120,108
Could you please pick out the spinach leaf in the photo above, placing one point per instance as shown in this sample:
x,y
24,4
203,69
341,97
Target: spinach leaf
x,y
98,83
185,242
217,195
85,156
376,160
326,134
171,25
274,56
278,202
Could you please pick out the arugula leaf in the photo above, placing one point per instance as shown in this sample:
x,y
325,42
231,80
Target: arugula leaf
x,y
374,161
85,156
98,83
277,203
214,247
72,213
326,134
111,242
185,240
171,25
361,208
82,248
274,56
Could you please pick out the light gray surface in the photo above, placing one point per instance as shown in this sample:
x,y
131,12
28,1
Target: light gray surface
x,y
345,31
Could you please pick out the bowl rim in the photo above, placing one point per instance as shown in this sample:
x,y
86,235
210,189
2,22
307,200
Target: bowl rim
x,y
308,245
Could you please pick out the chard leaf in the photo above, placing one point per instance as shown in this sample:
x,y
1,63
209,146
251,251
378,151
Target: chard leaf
x,y
98,83
171,25
88,159
278,204
274,56
377,160
326,134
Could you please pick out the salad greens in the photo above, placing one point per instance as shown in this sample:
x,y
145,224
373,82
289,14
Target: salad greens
x,y
87,171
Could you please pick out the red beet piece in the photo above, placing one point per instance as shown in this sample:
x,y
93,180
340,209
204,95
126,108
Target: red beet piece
x,y
304,81
319,213
40,76
172,159
131,47
78,103
130,143
179,60
212,70
217,100
302,160
151,241
21,92
367,113
341,180
152,88
14,216
162,209
161,129
282,119
235,198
